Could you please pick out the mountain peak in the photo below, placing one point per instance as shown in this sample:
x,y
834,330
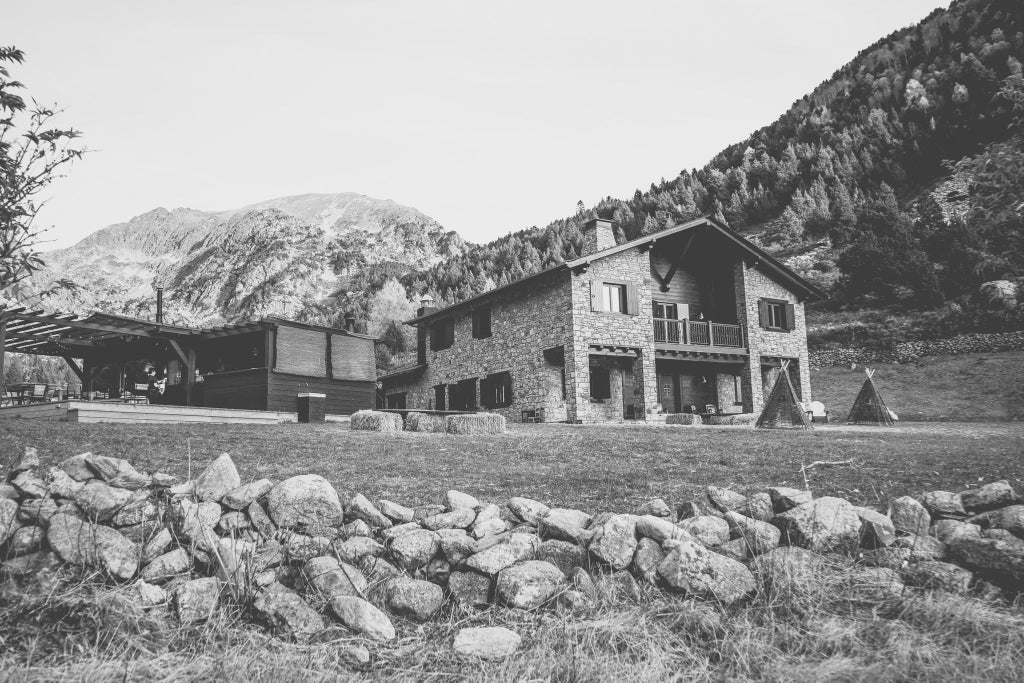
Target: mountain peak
x,y
283,255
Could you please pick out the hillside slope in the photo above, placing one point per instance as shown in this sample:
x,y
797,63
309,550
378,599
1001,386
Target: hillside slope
x,y
842,172
970,387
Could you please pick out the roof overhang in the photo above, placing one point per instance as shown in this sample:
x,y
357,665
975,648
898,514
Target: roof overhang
x,y
754,257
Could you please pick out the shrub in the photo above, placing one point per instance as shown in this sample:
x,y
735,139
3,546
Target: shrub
x,y
376,421
477,423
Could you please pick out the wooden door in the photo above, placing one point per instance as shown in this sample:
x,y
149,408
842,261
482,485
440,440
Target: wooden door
x,y
668,391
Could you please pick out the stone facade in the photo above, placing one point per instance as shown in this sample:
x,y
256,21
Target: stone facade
x,y
767,345
524,322
548,334
601,328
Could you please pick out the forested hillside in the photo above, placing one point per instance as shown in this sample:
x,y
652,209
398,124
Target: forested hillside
x,y
839,184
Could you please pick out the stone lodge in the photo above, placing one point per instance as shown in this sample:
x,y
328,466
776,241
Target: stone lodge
x,y
692,319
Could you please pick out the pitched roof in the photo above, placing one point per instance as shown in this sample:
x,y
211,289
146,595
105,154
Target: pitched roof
x,y
762,258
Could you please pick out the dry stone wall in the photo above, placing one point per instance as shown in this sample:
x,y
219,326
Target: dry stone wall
x,y
910,352
297,556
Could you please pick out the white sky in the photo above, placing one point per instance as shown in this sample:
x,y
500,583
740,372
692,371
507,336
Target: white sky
x,y
488,117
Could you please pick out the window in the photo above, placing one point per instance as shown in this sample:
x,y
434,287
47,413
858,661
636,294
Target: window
x,y
776,314
613,298
439,395
666,311
462,396
482,323
396,401
496,390
600,382
442,334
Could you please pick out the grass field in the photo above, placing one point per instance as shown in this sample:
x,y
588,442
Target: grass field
x,y
973,387
591,467
831,633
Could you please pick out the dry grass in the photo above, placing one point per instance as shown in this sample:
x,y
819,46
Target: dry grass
x,y
376,421
424,422
972,387
590,467
479,423
74,633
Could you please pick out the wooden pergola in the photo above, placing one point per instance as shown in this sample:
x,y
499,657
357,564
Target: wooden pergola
x,y
100,337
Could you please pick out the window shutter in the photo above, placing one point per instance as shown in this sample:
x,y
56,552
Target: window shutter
x,y
790,317
595,295
762,313
632,300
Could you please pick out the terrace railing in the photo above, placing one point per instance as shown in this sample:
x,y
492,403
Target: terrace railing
x,y
697,333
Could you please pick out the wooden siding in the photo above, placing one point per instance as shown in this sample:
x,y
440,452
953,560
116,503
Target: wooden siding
x,y
352,358
344,397
241,389
684,287
301,352
706,288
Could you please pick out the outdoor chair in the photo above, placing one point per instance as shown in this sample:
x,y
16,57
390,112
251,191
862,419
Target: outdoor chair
x,y
816,412
137,393
533,415
39,393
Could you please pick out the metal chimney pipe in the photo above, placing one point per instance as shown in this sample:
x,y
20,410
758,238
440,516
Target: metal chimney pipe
x,y
159,305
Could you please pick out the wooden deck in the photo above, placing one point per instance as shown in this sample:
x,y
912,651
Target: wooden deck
x,y
104,411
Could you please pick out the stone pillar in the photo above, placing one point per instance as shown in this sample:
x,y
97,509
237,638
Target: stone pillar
x,y
647,381
753,392
577,384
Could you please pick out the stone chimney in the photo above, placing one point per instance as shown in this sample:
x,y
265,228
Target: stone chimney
x,y
597,236
350,321
426,308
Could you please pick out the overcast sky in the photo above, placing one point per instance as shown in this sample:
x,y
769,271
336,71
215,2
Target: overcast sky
x,y
489,117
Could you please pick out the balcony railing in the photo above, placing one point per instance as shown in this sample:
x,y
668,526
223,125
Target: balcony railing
x,y
697,333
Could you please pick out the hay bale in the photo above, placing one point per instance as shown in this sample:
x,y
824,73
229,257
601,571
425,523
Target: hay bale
x,y
731,419
376,421
477,423
422,422
683,419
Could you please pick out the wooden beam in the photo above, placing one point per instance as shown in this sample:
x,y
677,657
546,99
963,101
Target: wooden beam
x,y
137,330
74,368
178,351
327,357
3,348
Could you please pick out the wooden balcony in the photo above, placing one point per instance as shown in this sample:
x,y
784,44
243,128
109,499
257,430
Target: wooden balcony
x,y
698,335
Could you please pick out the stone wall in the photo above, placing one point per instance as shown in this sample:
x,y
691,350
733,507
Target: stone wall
x,y
524,322
304,561
614,329
751,286
910,352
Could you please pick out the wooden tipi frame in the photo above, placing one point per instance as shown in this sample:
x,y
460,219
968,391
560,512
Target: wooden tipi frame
x,y
782,409
868,407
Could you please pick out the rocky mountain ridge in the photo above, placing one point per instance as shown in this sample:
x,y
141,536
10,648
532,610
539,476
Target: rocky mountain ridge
x,y
284,256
